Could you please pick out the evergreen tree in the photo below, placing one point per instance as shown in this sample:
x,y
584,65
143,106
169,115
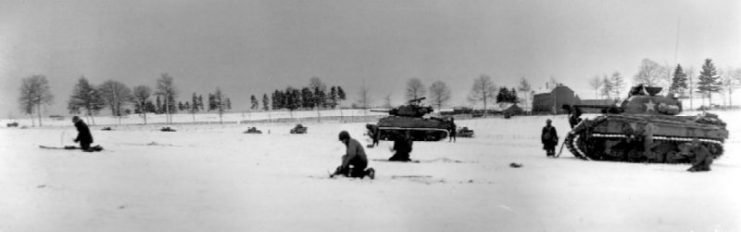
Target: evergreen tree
x,y
150,107
172,107
277,100
307,98
333,97
340,95
679,82
201,107
709,80
265,102
228,104
180,106
255,104
320,98
211,102
194,103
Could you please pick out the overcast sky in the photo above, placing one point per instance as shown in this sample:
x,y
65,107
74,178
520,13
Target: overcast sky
x,y
254,47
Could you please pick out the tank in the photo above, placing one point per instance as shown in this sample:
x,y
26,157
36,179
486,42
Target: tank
x,y
299,129
645,127
465,133
253,130
410,119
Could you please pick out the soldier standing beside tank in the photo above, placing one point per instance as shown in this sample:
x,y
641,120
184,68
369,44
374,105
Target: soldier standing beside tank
x,y
452,130
549,138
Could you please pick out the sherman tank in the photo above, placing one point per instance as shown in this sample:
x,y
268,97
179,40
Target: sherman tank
x,y
409,119
645,127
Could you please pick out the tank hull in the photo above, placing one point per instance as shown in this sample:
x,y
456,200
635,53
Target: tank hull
x,y
420,129
645,138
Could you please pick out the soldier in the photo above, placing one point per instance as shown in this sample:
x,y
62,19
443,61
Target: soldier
x,y
452,130
703,158
84,137
549,138
402,148
354,161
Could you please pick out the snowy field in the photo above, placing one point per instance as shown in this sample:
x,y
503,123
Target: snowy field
x,y
212,177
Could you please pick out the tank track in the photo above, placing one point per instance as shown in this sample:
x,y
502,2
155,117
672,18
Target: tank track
x,y
576,146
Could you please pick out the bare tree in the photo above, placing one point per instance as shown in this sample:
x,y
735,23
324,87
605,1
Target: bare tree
x,y
732,82
364,97
483,90
116,95
607,87
387,101
525,89
85,96
34,92
439,94
166,88
650,73
596,84
141,96
617,82
315,83
415,89
551,84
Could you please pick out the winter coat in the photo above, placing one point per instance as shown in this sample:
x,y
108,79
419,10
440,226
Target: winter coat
x,y
83,133
354,151
549,137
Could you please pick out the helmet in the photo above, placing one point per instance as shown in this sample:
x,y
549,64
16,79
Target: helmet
x,y
75,119
548,121
344,135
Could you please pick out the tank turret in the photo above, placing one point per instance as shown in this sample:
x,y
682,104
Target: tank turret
x,y
413,109
641,100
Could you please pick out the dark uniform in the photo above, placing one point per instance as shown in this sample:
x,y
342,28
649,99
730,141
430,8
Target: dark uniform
x,y
84,137
452,130
549,138
354,161
402,148
703,158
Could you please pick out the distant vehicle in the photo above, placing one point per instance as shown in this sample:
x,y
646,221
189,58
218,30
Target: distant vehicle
x,y
299,129
167,129
253,130
410,119
12,124
643,128
464,132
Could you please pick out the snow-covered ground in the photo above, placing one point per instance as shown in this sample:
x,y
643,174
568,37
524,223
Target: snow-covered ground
x,y
211,177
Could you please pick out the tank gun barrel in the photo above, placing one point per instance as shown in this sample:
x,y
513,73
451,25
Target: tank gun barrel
x,y
417,100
